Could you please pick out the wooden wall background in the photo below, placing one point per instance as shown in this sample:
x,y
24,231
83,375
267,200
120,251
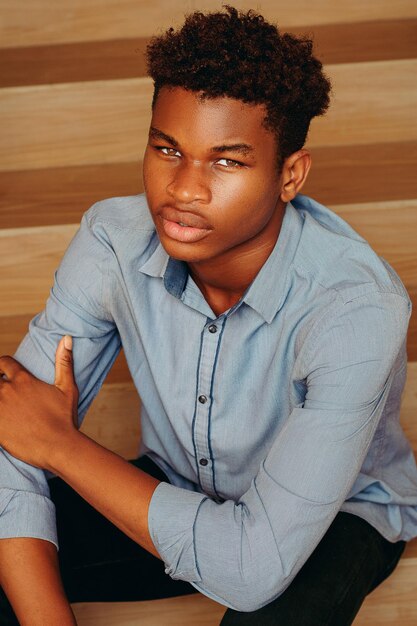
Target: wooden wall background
x,y
74,111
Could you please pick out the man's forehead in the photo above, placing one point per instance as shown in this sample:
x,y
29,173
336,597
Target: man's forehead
x,y
179,114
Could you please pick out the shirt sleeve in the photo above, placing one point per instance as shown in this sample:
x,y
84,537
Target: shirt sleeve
x,y
77,306
244,554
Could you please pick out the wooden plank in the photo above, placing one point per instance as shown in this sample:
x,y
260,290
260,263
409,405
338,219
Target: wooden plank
x,y
61,195
337,175
114,419
390,228
363,41
47,21
74,124
73,62
373,103
125,58
192,610
28,258
107,121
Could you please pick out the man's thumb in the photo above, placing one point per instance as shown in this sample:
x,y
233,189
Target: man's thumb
x,y
64,373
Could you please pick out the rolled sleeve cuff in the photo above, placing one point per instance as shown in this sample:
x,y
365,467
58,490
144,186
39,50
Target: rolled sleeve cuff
x,y
172,515
26,514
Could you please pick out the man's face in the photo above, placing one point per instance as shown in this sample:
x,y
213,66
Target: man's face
x,y
210,174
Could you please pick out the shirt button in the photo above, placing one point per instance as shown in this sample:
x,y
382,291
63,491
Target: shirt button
x,y
202,399
203,462
212,328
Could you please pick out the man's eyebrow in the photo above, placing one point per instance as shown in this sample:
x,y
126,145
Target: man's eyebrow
x,y
158,134
242,148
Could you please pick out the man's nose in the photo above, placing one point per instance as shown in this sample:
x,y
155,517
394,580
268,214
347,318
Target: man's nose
x,y
190,184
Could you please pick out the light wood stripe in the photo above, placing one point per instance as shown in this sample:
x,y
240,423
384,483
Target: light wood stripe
x,y
77,20
107,121
62,195
74,124
390,228
373,103
84,21
192,610
125,58
29,256
114,419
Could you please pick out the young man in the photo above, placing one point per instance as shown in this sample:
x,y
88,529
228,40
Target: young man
x,y
266,340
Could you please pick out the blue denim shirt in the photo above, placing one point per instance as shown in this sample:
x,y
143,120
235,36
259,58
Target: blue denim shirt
x,y
267,419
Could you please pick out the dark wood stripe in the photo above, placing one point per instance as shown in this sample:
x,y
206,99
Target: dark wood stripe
x,y
62,195
67,63
373,173
412,329
124,58
340,175
363,41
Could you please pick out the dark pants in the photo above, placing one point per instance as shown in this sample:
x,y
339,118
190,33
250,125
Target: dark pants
x,y
99,563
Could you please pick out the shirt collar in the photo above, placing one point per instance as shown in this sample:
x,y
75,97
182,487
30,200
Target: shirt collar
x,y
173,272
267,292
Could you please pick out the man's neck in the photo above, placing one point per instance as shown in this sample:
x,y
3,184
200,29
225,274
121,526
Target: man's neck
x,y
224,279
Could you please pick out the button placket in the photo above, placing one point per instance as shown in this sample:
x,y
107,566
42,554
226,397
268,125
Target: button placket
x,y
210,340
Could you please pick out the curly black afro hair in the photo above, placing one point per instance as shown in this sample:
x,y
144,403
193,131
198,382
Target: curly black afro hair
x,y
242,56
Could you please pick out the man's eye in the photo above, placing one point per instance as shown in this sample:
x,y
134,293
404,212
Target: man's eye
x,y
169,151
229,163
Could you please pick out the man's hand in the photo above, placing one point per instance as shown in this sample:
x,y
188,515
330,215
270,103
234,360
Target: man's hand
x,y
36,417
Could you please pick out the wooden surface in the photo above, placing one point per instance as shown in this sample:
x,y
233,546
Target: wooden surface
x,y
74,110
48,21
82,123
124,58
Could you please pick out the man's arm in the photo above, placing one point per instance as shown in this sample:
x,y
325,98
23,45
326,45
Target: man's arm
x,y
29,575
75,306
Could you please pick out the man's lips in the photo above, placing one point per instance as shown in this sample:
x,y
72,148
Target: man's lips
x,y
184,217
183,226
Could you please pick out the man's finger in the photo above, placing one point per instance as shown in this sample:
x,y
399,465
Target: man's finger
x,y
64,372
9,367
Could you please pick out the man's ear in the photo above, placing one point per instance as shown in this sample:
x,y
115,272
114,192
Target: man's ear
x,y
294,174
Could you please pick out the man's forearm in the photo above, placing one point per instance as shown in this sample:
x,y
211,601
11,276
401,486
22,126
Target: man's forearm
x,y
121,492
29,575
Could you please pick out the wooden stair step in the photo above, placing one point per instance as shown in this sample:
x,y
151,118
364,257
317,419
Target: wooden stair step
x,y
125,58
60,195
107,121
86,21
